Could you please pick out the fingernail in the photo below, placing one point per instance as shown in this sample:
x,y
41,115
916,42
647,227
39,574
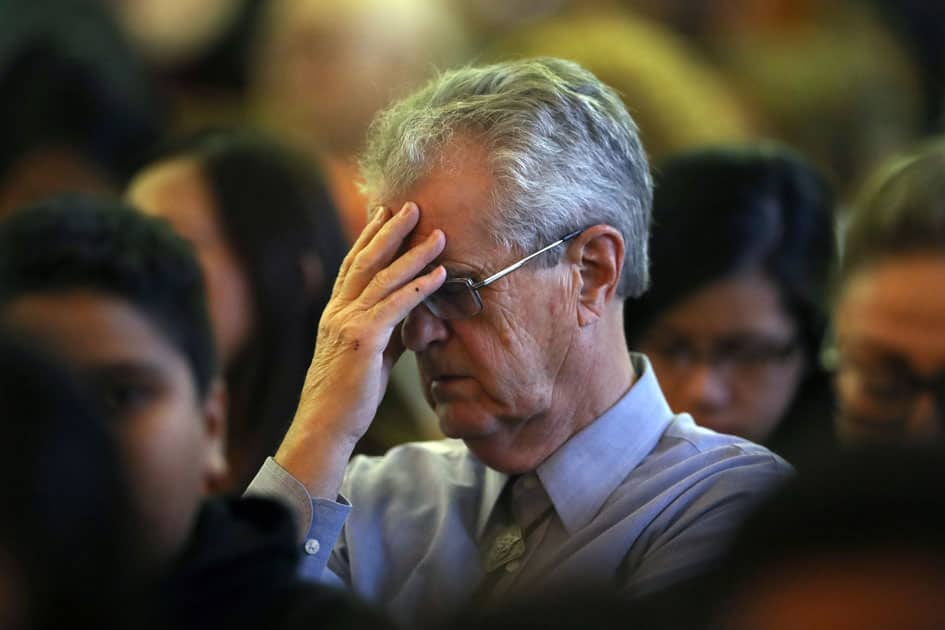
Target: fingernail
x,y
377,213
407,208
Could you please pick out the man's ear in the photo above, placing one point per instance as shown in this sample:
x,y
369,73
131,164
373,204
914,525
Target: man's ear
x,y
214,414
598,253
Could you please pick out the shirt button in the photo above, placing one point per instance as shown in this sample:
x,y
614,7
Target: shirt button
x,y
312,546
512,566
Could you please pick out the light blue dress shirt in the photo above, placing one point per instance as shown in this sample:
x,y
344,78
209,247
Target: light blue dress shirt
x,y
642,498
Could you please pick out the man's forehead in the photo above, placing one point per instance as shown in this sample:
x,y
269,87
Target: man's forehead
x,y
457,201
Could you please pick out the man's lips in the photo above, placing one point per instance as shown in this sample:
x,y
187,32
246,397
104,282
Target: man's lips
x,y
449,386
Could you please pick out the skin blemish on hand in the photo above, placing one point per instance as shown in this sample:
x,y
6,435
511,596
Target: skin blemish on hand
x,y
355,344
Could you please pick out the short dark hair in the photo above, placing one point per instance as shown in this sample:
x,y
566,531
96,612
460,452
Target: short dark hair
x,y
275,212
725,209
901,210
82,242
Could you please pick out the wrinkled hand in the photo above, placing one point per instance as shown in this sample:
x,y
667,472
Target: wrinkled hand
x,y
356,344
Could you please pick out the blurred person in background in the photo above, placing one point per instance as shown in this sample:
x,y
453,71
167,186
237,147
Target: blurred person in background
x,y
118,296
890,305
828,77
742,247
77,109
270,243
678,100
323,68
199,52
855,542
66,553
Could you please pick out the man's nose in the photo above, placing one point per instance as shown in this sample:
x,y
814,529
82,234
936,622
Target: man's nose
x,y
422,328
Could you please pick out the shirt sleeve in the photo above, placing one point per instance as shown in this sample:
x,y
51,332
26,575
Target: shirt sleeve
x,y
318,521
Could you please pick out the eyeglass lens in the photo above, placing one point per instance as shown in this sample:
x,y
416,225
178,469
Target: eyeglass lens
x,y
456,299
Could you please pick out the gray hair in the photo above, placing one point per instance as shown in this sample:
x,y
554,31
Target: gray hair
x,y
563,149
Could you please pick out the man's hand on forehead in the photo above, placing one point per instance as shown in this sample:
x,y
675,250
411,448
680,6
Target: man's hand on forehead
x,y
380,281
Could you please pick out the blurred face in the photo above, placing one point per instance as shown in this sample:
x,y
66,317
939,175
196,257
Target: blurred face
x,y
729,355
890,323
177,192
170,439
497,380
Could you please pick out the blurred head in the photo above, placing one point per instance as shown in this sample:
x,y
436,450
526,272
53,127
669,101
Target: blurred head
x,y
76,107
856,543
64,517
741,249
890,310
119,298
270,243
507,159
325,67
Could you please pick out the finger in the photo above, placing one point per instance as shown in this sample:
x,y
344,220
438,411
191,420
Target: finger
x,y
381,215
404,269
380,251
396,306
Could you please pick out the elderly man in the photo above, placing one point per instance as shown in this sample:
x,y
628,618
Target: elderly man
x,y
523,196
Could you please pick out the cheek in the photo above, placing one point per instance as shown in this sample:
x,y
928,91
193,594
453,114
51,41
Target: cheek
x,y
163,450
771,401
164,442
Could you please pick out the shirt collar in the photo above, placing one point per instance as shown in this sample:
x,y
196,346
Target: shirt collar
x,y
492,484
586,470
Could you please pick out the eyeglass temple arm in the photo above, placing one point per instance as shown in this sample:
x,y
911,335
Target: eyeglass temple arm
x,y
514,266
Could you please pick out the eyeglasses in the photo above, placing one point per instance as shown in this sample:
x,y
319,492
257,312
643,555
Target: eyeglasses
x,y
459,297
889,392
744,357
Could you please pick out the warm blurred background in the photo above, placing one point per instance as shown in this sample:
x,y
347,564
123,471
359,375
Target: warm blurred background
x,y
845,82
94,91
240,123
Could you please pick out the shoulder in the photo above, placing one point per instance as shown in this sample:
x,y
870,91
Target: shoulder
x,y
689,459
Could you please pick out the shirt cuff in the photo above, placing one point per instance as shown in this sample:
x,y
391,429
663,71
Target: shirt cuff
x,y
309,513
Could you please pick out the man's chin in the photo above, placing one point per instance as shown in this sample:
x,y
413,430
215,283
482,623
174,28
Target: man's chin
x,y
463,421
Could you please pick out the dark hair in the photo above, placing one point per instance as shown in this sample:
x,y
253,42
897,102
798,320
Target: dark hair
x,y
276,215
79,242
65,513
67,77
722,210
901,210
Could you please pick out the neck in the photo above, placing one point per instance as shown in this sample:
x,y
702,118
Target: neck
x,y
601,368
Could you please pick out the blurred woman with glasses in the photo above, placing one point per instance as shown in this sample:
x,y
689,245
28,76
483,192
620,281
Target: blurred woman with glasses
x,y
741,248
890,311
